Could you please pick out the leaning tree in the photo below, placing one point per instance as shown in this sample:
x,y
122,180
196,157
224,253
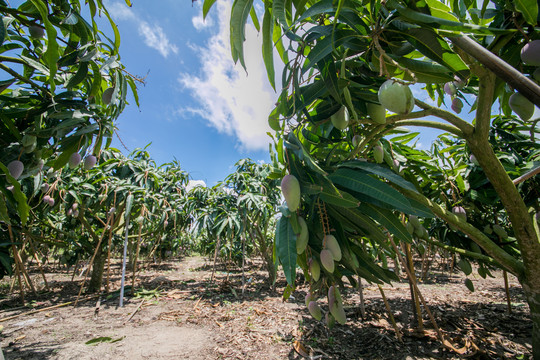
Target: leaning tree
x,y
348,68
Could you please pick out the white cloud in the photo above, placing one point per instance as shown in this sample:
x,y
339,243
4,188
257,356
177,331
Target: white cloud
x,y
230,100
152,34
194,183
199,23
155,37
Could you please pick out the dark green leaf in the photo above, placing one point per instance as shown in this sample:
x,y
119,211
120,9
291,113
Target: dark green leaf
x,y
380,171
286,248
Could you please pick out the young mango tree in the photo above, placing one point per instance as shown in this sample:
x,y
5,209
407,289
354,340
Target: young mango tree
x,y
348,68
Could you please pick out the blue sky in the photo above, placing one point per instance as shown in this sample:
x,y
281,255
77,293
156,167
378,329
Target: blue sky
x,y
197,106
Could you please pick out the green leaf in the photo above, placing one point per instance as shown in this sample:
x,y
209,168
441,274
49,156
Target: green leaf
x,y
433,46
529,9
268,47
333,196
469,284
325,47
360,182
286,248
380,171
239,14
51,55
387,219
22,202
440,10
207,5
4,216
254,18
2,30
103,339
79,76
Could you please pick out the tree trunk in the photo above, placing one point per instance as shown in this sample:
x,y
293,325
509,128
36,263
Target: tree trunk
x,y
97,271
533,299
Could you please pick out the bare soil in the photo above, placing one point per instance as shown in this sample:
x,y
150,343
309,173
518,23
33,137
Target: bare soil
x,y
178,312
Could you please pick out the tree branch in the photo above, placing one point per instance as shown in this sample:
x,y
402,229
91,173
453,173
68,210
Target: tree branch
x,y
431,124
499,67
508,262
466,128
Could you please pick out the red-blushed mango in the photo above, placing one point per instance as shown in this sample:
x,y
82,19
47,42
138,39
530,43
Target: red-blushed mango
x,y
450,88
331,295
315,310
460,212
74,160
332,244
378,154
335,303
396,97
327,260
15,168
457,105
530,53
521,106
303,237
377,113
290,188
314,269
340,119
89,162
309,298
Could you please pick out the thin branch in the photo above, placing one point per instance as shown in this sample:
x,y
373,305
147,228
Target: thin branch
x,y
527,176
431,124
466,128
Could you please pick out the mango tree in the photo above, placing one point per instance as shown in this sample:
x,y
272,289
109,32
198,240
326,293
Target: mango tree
x,y
346,59
64,87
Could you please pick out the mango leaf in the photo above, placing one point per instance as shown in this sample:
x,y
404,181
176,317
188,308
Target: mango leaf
x,y
51,55
529,9
431,45
22,202
387,219
2,30
360,182
325,47
255,19
268,47
331,195
4,216
286,248
103,339
239,14
79,76
380,171
207,5
441,10
469,284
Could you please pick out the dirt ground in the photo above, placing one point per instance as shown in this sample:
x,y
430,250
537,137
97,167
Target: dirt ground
x,y
179,313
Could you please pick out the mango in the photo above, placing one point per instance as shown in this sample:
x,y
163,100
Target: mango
x,y
15,168
303,237
450,88
378,154
327,260
459,212
89,162
530,53
499,230
396,97
457,105
521,106
74,160
314,269
35,31
377,113
106,97
340,119
290,187
356,140
330,320
315,310
332,244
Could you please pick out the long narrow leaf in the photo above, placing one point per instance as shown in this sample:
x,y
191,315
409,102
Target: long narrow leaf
x,y
286,248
